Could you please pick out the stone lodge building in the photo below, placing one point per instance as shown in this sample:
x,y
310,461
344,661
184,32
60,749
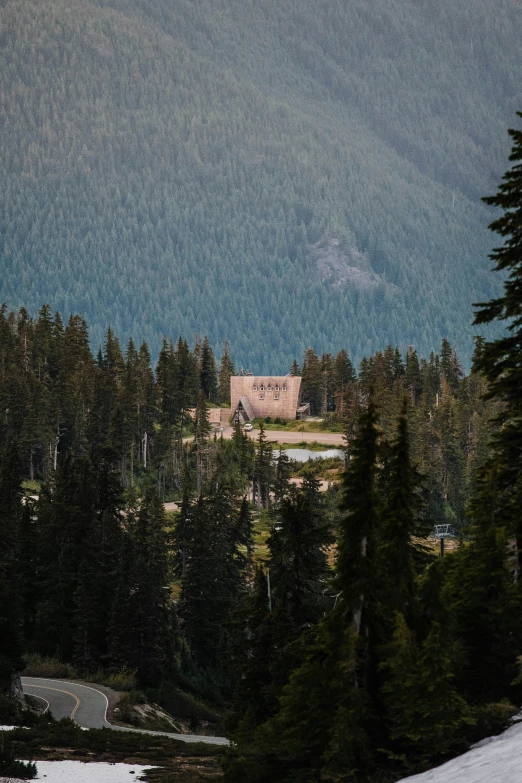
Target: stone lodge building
x,y
258,396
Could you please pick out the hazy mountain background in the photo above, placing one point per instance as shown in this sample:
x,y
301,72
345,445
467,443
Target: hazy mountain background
x,y
280,173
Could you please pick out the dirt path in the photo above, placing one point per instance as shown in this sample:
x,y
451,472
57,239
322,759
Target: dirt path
x,y
171,506
323,485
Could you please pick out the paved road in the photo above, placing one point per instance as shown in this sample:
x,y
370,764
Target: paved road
x,y
328,438
282,436
88,707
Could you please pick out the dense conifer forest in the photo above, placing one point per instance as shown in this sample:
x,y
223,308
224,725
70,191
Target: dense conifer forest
x,y
274,173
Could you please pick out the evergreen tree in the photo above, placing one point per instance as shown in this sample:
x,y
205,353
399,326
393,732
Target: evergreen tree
x,y
327,366
298,561
343,377
208,373
412,375
202,428
147,404
244,450
112,356
481,596
426,713
143,617
98,571
243,536
214,574
253,698
299,742
356,560
65,513
200,602
313,382
298,572
11,607
262,477
188,378
282,476
167,384
500,360
295,369
450,366
402,549
226,370
28,560
184,530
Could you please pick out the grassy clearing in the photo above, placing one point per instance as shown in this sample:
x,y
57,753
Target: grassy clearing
x,y
329,469
293,425
31,487
262,528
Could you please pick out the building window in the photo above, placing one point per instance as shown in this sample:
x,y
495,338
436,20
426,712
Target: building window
x,y
269,388
254,387
261,388
284,388
261,396
276,388
276,396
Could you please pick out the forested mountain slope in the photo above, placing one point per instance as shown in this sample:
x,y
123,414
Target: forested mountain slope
x,y
280,173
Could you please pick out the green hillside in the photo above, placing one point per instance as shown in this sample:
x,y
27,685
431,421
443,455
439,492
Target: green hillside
x,y
277,173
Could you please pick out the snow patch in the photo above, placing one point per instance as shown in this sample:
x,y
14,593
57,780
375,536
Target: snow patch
x,y
85,772
492,760
11,728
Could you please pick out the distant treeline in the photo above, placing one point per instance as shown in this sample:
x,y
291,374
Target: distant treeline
x,y
58,399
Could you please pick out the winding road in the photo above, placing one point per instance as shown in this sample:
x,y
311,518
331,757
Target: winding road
x,y
87,706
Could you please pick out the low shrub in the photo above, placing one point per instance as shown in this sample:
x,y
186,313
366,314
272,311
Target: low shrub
x,y
126,713
133,697
319,466
18,770
121,680
98,743
491,719
182,705
9,766
98,675
9,710
37,665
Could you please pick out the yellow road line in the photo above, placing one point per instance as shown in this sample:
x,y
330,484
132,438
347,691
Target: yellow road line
x,y
75,697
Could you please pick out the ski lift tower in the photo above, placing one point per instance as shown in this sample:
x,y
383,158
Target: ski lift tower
x,y
442,532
